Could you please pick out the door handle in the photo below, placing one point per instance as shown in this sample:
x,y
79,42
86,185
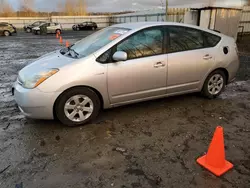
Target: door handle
x,y
207,57
159,64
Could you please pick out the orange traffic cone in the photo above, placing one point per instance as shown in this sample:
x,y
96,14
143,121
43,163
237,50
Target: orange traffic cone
x,y
57,36
61,40
67,44
214,160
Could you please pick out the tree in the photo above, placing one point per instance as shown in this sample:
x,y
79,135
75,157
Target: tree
x,y
72,7
81,5
27,8
6,9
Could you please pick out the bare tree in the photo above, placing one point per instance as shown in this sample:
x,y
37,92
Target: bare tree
x,y
6,9
27,7
82,7
73,7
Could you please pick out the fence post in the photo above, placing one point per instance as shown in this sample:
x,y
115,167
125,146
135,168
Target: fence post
x,y
146,17
137,18
166,10
157,17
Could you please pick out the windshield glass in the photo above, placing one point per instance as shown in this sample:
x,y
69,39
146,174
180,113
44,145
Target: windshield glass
x,y
97,40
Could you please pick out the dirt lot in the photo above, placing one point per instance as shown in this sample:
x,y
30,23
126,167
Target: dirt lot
x,y
152,144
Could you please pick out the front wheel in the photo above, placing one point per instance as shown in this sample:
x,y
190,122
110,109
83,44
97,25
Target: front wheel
x,y
28,30
6,33
214,84
77,106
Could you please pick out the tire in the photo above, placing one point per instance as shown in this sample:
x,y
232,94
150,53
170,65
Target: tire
x,y
28,30
63,113
93,28
214,84
77,29
6,33
58,31
38,32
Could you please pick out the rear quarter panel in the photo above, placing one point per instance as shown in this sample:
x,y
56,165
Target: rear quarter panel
x,y
228,61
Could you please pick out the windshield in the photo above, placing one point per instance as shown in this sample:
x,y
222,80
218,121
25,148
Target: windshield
x,y
96,41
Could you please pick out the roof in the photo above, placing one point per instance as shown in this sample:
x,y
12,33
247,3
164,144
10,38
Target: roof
x,y
142,25
144,12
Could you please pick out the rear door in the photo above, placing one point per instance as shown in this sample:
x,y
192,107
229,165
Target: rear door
x,y
51,28
88,25
190,58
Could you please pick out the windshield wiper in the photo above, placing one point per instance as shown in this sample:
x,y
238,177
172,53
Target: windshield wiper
x,y
75,53
72,50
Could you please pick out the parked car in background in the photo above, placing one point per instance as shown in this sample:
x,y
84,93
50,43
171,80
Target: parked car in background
x,y
85,26
51,27
28,28
124,64
7,29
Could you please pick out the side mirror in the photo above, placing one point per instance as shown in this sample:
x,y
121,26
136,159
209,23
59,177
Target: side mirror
x,y
120,56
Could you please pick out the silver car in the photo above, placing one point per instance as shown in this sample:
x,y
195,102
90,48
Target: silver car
x,y
51,28
123,64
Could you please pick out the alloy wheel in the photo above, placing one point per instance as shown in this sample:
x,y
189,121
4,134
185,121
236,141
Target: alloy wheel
x,y
78,108
215,84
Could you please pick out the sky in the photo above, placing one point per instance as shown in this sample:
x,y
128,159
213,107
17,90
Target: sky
x,y
122,5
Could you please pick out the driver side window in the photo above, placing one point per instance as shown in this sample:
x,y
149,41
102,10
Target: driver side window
x,y
145,43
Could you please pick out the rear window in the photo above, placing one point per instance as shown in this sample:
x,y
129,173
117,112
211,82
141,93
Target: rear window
x,y
211,40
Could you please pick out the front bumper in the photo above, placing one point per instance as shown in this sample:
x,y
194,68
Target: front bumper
x,y
34,103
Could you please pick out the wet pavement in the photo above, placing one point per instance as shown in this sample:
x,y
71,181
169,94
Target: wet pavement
x,y
150,144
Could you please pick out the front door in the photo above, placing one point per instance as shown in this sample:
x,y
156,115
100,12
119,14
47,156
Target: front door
x,y
144,74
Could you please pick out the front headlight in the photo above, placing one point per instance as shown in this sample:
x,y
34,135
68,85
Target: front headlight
x,y
35,80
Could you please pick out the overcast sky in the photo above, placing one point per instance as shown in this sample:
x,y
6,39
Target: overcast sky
x,y
122,5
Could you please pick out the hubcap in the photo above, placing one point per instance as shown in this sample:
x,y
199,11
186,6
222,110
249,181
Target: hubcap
x,y
78,108
215,84
6,33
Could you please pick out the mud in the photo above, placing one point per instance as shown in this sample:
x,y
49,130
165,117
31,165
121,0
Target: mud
x,y
151,144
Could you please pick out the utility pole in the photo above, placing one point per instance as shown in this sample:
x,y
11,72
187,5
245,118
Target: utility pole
x,y
166,10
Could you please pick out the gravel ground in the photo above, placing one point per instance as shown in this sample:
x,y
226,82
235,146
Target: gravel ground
x,y
151,144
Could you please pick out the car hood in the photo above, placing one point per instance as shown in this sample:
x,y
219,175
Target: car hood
x,y
52,60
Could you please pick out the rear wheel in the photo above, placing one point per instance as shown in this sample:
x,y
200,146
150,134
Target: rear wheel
x,y
77,106
58,31
214,84
6,33
93,28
